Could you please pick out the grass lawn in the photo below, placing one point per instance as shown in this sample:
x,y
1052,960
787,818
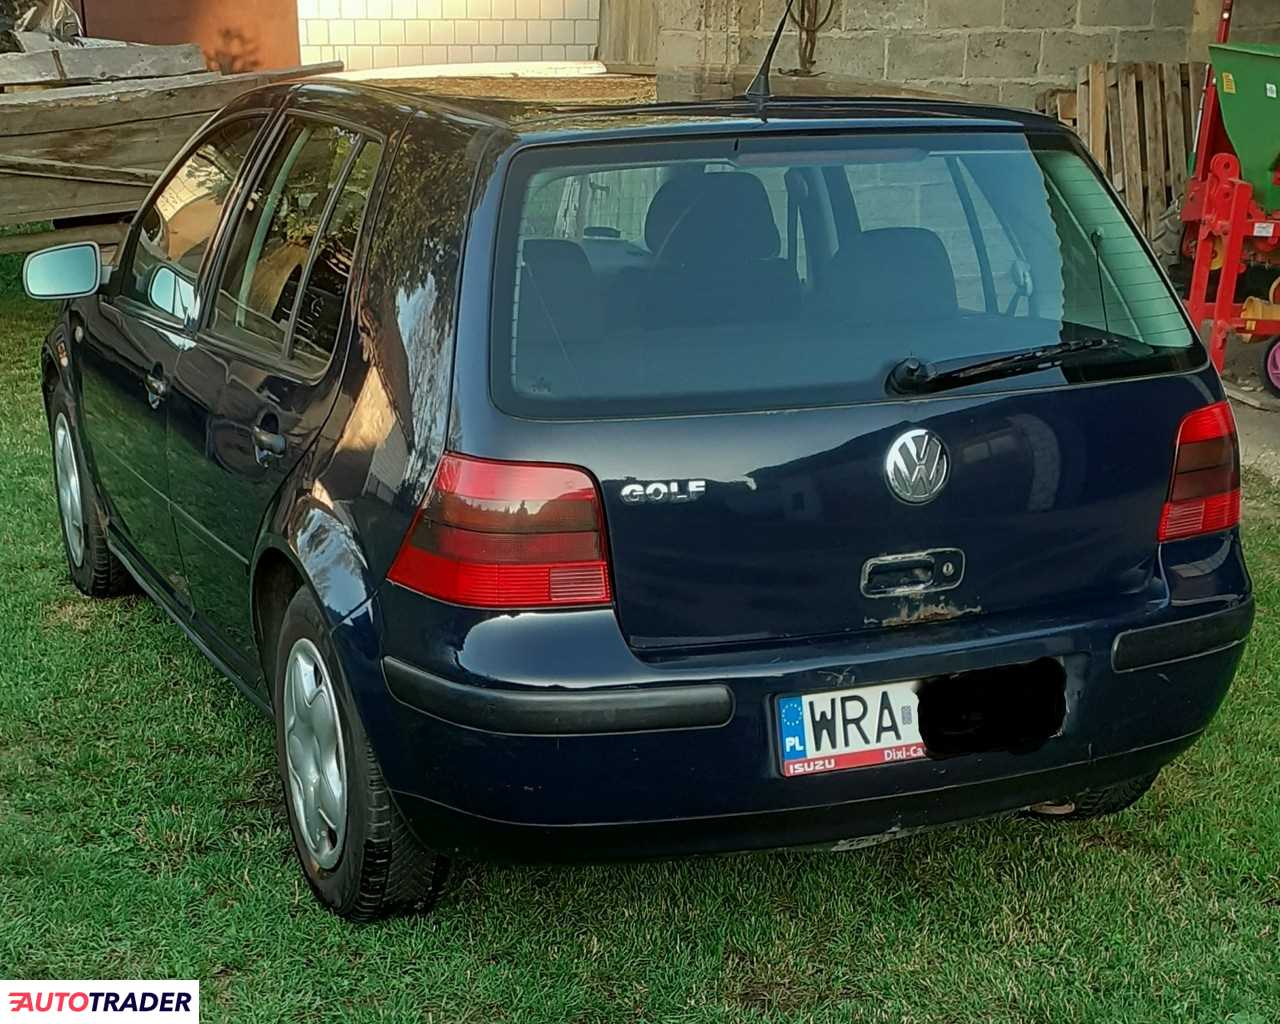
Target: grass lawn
x,y
142,835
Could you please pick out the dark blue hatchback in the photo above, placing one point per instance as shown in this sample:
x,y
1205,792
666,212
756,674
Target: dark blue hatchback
x,y
574,485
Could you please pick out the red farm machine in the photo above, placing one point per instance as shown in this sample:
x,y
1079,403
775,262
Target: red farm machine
x,y
1230,216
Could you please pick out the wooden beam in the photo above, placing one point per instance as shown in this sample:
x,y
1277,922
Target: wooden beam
x,y
1083,115
78,64
28,200
1115,156
75,107
103,234
78,172
1130,146
1098,113
1175,129
1157,157
27,69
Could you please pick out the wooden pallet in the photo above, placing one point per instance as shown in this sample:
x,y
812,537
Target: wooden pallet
x,y
1139,122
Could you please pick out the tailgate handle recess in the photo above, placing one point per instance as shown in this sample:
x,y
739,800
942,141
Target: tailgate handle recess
x,y
916,572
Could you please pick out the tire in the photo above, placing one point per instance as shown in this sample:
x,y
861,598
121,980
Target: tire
x,y
1097,803
362,862
1167,243
1269,367
94,570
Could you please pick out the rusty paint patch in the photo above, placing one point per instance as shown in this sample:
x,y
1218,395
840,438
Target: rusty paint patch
x,y
915,613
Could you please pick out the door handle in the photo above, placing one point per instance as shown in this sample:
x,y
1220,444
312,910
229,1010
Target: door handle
x,y
268,445
157,390
920,572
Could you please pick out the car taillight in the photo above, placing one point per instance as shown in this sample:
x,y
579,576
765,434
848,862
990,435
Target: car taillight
x,y
1204,496
507,535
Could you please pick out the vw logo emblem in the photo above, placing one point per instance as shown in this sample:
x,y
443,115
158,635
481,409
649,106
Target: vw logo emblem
x,y
916,466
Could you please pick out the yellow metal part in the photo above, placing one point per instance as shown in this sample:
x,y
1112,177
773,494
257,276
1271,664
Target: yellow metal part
x,y
1219,254
1256,309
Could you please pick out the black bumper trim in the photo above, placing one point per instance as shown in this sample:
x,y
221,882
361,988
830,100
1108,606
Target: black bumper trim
x,y
562,713
462,833
1189,638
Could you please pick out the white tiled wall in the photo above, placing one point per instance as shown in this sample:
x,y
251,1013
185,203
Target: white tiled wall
x,y
395,33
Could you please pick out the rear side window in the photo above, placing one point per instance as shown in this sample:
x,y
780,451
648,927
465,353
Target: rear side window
x,y
315,329
661,278
305,193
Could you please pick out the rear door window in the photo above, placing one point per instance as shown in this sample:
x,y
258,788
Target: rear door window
x,y
270,251
662,278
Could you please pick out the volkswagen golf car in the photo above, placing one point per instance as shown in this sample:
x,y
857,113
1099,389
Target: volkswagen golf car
x,y
589,484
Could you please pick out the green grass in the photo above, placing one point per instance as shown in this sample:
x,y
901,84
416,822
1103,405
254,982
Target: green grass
x,y
142,835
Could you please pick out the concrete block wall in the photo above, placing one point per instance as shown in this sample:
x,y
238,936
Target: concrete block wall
x,y
399,33
1005,50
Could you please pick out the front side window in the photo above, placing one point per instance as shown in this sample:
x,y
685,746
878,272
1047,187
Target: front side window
x,y
269,251
177,229
654,278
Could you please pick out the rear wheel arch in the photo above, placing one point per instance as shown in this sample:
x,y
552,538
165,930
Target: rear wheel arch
x,y
276,578
299,554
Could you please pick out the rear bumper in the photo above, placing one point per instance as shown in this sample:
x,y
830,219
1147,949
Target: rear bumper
x,y
545,764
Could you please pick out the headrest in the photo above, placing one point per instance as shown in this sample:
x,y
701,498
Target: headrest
x,y
551,255
895,274
558,293
722,216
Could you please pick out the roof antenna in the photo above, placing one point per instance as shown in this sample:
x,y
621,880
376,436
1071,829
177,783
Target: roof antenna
x,y
758,90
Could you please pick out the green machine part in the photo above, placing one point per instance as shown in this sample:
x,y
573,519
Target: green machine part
x,y
1248,77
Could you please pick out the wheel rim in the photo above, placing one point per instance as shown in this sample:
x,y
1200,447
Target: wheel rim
x,y
313,754
70,506
1273,364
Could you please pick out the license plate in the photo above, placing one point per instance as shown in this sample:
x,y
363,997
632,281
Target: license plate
x,y
826,732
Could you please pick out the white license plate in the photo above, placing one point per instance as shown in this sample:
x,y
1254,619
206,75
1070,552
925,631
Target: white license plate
x,y
825,732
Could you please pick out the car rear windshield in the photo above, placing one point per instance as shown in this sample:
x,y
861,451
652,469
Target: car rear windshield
x,y
727,275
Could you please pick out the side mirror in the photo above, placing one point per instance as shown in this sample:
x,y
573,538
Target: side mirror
x,y
63,272
171,293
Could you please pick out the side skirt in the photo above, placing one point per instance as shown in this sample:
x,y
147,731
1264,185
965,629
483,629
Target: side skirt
x,y
141,579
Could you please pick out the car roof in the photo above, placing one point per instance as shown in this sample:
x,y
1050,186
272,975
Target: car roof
x,y
533,120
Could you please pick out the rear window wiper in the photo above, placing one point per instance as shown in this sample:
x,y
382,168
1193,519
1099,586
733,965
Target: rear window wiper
x,y
914,377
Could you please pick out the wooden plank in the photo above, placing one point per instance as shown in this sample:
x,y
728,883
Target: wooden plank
x,y
108,63
1066,110
1198,77
31,199
1114,149
76,107
81,64
143,144
1157,155
33,42
28,69
1174,127
78,172
1130,144
103,234
1098,113
102,90
1082,105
